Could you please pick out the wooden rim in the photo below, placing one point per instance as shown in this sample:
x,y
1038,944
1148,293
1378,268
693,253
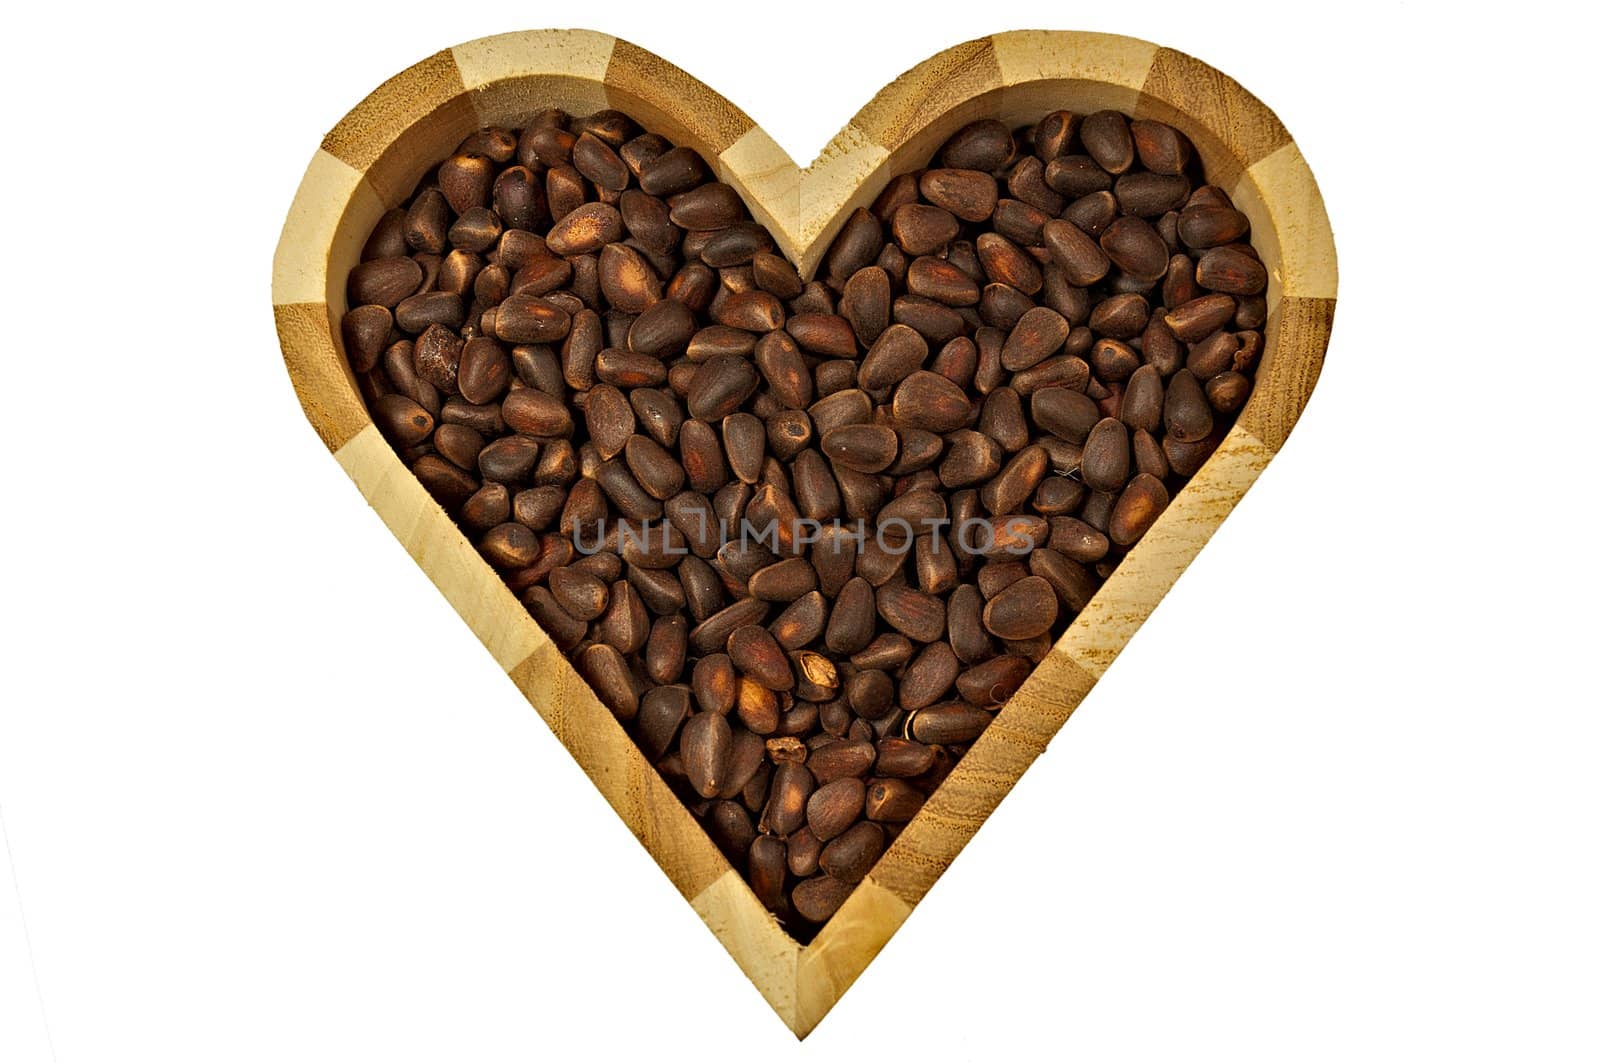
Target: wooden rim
x,y
373,158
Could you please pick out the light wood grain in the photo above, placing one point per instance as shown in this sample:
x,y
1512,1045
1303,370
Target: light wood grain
x,y
374,157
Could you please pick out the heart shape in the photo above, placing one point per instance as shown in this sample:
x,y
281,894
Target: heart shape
x,y
373,160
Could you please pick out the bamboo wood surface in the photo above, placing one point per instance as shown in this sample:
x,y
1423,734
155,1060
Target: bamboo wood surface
x,y
373,158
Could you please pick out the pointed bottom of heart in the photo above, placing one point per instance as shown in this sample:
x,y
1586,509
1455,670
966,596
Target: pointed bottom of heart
x,y
373,159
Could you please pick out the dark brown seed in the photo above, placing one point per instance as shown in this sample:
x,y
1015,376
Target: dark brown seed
x,y
1121,316
585,230
485,370
1226,269
402,420
1142,400
774,274
921,230
744,438
902,758
929,675
1212,355
967,635
865,301
438,358
627,279
804,853
427,222
972,458
767,861
1016,482
707,748
1140,503
1073,584
1106,137
596,160
609,419
1039,334
940,281
1227,392
1135,248
519,199
701,452
661,713
852,854
531,319
1150,195
818,897
417,312
721,385
1076,175
462,446
785,581
711,206
1187,415
384,281
365,331
932,402
1064,412
803,622
757,654
968,194
850,625
841,760
1057,494
952,723
995,680
822,334
792,786
783,367
1106,456
534,413
863,447
672,171
476,230
605,670
667,650
982,145
510,459
711,635
918,616
581,594
1201,227
625,623
855,248
1005,263
897,353
757,707
715,683
465,181
1161,148
892,801
834,806
1080,257
564,630
1023,610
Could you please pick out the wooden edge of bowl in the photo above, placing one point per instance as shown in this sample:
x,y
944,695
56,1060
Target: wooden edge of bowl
x,y
374,156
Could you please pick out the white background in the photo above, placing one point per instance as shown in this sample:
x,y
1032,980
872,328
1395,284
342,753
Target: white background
x,y
267,798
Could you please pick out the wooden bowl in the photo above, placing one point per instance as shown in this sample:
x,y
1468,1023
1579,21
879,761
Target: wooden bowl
x,y
373,159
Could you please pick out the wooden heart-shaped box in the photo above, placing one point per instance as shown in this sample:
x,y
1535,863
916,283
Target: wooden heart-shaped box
x,y
374,158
